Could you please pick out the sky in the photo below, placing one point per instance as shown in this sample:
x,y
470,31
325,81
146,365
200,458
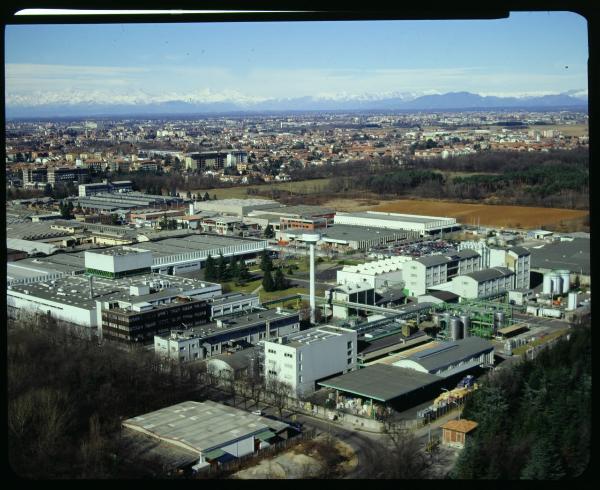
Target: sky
x,y
530,53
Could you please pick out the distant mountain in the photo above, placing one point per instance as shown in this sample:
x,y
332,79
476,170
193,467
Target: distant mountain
x,y
396,101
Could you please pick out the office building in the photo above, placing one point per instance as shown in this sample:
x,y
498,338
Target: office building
x,y
305,358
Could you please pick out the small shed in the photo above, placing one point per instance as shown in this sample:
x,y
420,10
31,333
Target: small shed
x,y
454,432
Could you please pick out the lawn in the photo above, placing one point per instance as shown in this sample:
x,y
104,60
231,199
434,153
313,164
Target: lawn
x,y
314,186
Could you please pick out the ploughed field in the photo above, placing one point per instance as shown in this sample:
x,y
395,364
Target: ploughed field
x,y
470,214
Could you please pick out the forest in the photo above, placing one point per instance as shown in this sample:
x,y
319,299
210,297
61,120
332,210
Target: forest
x,y
534,418
67,397
555,179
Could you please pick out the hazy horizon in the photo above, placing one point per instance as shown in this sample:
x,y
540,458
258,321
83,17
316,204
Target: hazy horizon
x,y
527,54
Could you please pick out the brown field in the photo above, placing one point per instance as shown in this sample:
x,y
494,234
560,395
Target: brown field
x,y
487,215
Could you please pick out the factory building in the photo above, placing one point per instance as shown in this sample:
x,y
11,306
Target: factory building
x,y
211,432
231,303
481,284
140,321
86,190
234,207
236,365
572,255
340,295
106,201
305,358
385,272
451,358
215,338
172,256
115,278
423,225
425,272
346,237
374,387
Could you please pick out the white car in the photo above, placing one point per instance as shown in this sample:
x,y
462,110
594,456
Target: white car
x,y
257,412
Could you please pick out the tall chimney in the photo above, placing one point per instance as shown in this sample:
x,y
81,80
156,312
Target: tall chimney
x,y
312,239
91,279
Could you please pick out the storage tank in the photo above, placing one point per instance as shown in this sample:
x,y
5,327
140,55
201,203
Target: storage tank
x,y
455,328
446,319
556,279
565,276
499,319
572,301
435,317
547,286
466,325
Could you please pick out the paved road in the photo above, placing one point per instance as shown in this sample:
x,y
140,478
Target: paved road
x,y
361,442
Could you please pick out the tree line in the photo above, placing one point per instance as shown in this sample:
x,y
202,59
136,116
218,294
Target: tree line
x,y
67,396
554,179
223,270
534,418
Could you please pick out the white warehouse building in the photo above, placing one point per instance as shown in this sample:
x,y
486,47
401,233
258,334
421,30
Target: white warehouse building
x,y
424,225
432,270
481,284
304,358
385,272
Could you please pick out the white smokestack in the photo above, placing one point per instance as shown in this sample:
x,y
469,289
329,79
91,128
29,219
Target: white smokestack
x,y
312,239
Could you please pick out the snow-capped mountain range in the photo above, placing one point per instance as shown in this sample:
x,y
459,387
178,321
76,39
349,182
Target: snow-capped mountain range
x,y
90,103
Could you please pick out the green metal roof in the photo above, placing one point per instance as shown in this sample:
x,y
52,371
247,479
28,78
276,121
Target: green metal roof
x,y
265,435
214,454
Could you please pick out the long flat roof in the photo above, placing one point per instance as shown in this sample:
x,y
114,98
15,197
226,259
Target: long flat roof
x,y
238,321
451,352
572,255
202,426
381,382
350,232
396,217
75,290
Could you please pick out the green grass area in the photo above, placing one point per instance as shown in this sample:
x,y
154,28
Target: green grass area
x,y
314,186
246,288
348,262
524,348
264,296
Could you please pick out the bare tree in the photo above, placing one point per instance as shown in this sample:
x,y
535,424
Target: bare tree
x,y
278,392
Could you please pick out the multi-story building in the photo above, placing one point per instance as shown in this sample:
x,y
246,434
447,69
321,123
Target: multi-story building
x,y
34,176
483,283
305,358
232,303
141,321
57,175
200,161
215,338
432,270
86,190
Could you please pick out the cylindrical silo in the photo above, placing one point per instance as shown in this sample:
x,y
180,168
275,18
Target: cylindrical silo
x,y
565,276
556,281
455,328
572,301
498,320
436,319
446,320
547,286
466,325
